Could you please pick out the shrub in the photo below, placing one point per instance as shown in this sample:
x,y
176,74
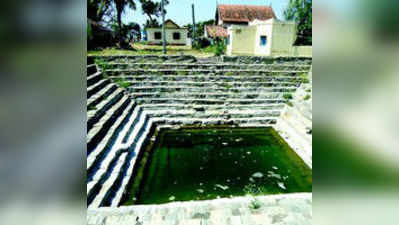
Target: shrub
x,y
102,64
220,47
255,204
122,83
201,43
287,96
304,78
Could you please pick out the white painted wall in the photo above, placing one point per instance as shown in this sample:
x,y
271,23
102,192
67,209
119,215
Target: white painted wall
x,y
169,36
280,39
264,28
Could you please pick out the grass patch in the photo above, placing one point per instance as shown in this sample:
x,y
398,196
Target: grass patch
x,y
145,49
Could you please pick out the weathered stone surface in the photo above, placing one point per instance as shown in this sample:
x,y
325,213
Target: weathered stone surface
x,y
174,91
275,209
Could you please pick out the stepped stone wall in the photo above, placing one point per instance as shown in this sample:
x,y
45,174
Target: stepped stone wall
x,y
130,97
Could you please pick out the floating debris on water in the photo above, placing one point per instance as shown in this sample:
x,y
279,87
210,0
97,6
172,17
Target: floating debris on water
x,y
281,185
222,187
200,191
248,153
225,143
275,168
273,174
257,175
239,139
171,198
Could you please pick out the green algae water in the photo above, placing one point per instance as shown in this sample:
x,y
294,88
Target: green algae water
x,y
199,164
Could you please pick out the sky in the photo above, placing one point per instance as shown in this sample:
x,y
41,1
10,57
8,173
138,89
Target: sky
x,y
180,10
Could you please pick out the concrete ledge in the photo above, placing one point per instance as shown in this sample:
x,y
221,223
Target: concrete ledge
x,y
274,209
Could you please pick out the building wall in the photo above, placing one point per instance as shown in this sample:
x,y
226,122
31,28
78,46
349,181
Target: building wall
x,y
302,51
266,29
284,35
169,36
241,41
280,39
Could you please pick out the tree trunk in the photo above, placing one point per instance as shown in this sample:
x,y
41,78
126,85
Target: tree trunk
x,y
151,20
119,15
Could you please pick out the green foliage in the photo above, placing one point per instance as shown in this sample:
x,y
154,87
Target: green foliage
x,y
89,32
181,72
219,47
252,189
90,108
287,96
228,86
152,9
229,73
301,12
290,104
307,97
199,28
98,9
102,64
122,83
304,78
255,204
309,90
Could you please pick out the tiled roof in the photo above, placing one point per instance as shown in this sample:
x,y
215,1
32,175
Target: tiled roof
x,y
244,13
216,31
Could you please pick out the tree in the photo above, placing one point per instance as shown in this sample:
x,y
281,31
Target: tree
x,y
120,6
151,9
97,9
301,12
199,28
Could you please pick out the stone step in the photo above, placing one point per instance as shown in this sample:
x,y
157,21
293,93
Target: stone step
x,y
203,78
137,121
147,58
232,72
171,89
93,79
113,166
97,87
214,121
213,107
101,128
115,193
101,94
215,84
91,69
206,66
167,113
105,107
102,158
205,95
208,101
96,148
96,202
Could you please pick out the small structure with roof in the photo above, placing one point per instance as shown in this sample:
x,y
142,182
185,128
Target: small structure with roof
x,y
229,15
175,35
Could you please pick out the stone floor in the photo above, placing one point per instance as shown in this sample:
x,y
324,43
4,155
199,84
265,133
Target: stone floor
x,y
274,209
